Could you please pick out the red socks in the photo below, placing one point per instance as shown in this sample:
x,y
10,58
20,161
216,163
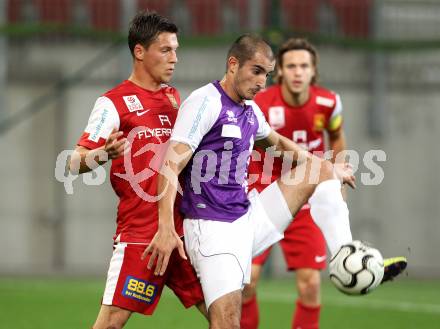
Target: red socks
x,y
249,314
306,317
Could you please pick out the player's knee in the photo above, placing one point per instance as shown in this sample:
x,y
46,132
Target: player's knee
x,y
309,289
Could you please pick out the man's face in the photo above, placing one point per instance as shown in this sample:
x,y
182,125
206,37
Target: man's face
x,y
297,71
159,59
251,77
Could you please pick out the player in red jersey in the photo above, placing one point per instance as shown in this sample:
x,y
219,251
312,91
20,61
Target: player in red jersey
x,y
131,125
300,110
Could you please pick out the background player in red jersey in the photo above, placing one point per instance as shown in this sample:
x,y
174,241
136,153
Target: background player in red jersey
x,y
302,111
136,119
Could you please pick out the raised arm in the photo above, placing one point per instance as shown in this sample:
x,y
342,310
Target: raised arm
x,y
275,142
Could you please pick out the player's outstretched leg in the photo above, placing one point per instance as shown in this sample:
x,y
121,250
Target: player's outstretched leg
x,y
393,267
322,190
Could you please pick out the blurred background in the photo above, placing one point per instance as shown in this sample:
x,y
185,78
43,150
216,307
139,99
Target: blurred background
x,y
58,56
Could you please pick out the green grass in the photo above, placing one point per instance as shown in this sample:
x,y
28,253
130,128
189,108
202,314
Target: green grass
x,y
28,303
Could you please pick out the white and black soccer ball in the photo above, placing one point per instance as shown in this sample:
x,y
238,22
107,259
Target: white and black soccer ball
x,y
356,269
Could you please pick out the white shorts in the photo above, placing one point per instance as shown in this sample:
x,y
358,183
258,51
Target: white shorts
x,y
222,252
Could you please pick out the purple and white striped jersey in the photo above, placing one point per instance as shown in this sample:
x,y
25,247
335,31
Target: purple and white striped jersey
x,y
221,133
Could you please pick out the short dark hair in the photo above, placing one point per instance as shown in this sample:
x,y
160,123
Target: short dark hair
x,y
145,27
245,47
298,44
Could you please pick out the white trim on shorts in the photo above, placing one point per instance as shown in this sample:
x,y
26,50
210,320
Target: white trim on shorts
x,y
113,273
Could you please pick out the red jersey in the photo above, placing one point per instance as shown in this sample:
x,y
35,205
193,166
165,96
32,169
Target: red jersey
x,y
304,124
146,119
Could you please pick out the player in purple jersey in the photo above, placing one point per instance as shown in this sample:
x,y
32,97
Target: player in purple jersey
x,y
224,226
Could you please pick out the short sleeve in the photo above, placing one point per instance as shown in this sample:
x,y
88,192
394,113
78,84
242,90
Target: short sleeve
x,y
264,128
103,119
196,116
335,121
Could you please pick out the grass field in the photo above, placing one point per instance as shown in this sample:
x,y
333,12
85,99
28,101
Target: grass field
x,y
28,303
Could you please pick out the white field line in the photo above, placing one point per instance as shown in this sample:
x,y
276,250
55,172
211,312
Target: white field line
x,y
357,302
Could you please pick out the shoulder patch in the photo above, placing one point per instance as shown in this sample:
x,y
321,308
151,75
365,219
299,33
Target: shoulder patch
x,y
324,101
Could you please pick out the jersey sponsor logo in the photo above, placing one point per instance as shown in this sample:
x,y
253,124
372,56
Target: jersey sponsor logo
x,y
231,116
96,134
318,122
314,144
139,290
198,117
324,101
232,131
320,259
134,104
300,138
277,118
154,132
157,148
164,119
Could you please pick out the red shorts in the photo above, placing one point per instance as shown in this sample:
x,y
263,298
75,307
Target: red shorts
x,y
303,244
130,285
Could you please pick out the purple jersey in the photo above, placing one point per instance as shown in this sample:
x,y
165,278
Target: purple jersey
x,y
221,134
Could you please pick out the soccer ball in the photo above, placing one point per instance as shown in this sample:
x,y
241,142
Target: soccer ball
x,y
356,269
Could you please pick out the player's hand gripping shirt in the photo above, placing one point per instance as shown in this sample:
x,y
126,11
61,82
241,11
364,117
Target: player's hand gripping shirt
x,y
221,133
146,119
305,125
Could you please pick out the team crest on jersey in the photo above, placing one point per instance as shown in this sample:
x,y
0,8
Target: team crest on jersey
x,y
140,290
133,103
277,118
318,122
173,101
250,116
